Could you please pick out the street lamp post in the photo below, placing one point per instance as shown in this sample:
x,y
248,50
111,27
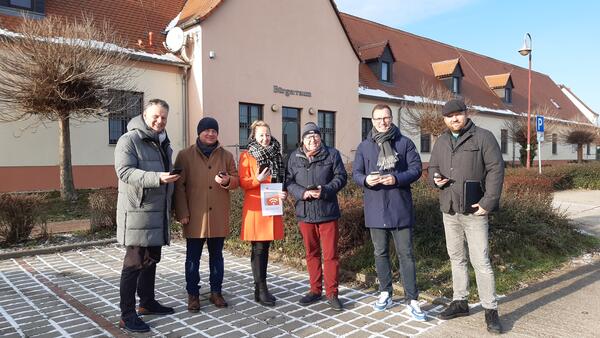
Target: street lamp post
x,y
526,50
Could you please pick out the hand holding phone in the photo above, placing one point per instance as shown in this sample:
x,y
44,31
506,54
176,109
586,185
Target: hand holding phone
x,y
222,173
175,171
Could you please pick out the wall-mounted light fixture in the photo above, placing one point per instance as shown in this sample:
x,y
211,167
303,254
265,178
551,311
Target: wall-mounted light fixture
x,y
274,107
212,54
311,111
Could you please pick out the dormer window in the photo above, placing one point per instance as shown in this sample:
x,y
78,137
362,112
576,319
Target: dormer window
x,y
385,71
502,86
379,57
455,85
450,73
16,7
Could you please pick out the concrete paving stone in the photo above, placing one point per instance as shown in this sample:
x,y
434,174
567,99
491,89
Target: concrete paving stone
x,y
267,315
254,328
328,323
343,329
196,318
319,306
364,309
292,325
270,333
218,330
66,317
79,328
421,325
315,317
208,324
254,311
234,334
379,315
394,334
377,327
186,331
307,330
358,334
279,320
33,324
156,321
88,333
17,307
74,322
40,330
361,321
167,327
300,313
8,330
406,330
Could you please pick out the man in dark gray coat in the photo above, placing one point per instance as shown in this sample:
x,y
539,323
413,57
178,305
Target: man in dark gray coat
x,y
467,166
142,162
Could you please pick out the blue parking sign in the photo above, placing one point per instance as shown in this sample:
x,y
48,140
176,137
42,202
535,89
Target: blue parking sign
x,y
539,123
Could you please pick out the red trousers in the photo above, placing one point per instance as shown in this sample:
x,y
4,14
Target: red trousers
x,y
323,237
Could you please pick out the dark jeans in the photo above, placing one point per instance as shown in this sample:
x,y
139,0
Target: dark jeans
x,y
216,266
138,274
259,259
404,249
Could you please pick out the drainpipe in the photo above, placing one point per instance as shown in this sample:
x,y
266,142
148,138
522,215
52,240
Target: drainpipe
x,y
185,100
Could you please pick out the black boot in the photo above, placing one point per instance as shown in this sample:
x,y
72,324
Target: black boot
x,y
264,297
492,321
457,308
256,294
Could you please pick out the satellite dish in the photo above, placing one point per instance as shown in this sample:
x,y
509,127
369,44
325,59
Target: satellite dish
x,y
175,39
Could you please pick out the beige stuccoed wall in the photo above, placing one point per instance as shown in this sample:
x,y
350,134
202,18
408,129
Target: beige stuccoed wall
x,y
38,146
297,45
494,123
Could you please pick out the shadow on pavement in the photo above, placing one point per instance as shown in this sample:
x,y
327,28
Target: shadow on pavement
x,y
577,278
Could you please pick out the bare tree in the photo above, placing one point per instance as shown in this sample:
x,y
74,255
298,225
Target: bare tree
x,y
517,130
426,116
57,69
580,135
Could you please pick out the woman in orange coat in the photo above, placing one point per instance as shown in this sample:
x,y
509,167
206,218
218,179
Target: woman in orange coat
x,y
264,152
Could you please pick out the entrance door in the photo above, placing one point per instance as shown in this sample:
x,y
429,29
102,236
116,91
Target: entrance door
x,y
291,130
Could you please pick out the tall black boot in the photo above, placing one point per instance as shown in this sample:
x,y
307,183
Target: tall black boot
x,y
264,297
264,262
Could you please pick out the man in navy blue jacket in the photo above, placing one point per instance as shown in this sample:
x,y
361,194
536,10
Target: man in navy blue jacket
x,y
386,164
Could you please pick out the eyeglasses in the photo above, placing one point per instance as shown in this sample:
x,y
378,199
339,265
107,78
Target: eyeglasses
x,y
379,119
312,137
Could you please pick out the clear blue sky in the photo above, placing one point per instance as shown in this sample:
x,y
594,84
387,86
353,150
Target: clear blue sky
x,y
563,32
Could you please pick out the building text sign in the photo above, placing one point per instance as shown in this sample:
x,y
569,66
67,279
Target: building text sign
x,y
288,92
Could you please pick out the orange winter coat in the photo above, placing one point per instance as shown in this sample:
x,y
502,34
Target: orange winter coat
x,y
255,226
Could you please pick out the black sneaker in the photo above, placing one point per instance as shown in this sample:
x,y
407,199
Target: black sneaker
x,y
309,298
155,309
492,321
134,324
457,308
334,303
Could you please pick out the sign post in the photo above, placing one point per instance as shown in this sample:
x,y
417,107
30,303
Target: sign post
x,y
539,126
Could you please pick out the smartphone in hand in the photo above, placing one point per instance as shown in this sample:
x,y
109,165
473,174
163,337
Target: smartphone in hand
x,y
312,187
262,167
175,171
222,173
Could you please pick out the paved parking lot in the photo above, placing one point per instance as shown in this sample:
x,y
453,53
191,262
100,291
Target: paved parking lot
x,y
76,294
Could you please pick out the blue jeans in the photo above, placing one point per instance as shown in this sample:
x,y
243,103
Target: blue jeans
x,y
216,266
404,249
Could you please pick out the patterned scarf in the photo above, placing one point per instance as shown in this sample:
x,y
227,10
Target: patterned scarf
x,y
387,157
270,155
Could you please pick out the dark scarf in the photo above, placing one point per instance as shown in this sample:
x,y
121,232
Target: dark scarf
x,y
205,148
387,157
313,154
270,155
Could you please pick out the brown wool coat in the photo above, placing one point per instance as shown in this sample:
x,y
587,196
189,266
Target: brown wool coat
x,y
199,197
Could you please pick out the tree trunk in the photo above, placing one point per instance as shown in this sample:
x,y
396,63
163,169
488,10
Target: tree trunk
x,y
67,186
580,153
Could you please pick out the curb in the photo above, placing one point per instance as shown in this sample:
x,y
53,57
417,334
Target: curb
x,y
55,249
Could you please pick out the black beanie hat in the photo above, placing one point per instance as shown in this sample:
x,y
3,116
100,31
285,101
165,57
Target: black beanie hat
x,y
452,106
207,123
310,128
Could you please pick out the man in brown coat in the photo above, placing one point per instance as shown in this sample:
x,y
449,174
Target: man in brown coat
x,y
202,204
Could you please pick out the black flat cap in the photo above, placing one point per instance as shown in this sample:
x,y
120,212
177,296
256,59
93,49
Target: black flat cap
x,y
453,105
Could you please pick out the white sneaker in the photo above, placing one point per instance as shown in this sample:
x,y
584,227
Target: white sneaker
x,y
415,311
384,302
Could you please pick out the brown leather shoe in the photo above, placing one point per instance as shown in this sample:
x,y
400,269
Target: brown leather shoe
x,y
218,300
193,303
